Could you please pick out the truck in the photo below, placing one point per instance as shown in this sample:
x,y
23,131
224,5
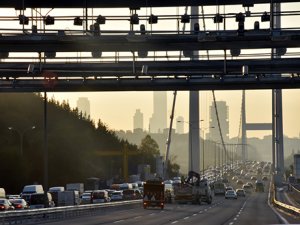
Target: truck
x,y
194,190
64,198
75,187
154,194
68,198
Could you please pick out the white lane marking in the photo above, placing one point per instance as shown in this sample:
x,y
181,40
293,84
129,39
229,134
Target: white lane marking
x,y
175,222
152,214
205,210
185,218
194,214
137,217
235,219
118,221
200,212
231,223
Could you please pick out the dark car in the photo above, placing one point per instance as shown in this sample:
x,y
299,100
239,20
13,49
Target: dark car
x,y
240,192
5,205
19,203
129,194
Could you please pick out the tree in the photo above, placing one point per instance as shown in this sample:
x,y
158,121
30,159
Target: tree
x,y
173,168
149,150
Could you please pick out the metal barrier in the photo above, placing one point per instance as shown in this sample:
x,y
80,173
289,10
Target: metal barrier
x,y
283,206
37,216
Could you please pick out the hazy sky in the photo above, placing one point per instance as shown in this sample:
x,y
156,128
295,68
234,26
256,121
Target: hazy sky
x,y
116,109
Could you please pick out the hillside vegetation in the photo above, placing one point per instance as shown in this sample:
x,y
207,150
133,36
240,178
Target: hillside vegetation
x,y
73,141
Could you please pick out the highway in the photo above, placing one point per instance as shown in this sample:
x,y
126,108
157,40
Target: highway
x,y
253,209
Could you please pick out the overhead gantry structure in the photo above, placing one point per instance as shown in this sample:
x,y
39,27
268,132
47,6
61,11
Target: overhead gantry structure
x,y
152,59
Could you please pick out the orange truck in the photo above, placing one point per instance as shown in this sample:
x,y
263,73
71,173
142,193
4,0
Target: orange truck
x,y
154,194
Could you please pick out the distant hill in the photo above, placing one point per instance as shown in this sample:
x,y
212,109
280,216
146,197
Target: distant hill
x,y
72,143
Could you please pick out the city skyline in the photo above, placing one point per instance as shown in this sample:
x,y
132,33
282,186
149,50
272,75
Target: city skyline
x,y
108,105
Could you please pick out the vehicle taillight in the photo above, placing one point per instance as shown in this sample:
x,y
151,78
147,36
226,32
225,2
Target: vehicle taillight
x,y
18,206
2,207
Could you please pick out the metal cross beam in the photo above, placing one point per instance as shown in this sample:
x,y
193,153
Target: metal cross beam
x,y
154,68
214,40
135,4
146,84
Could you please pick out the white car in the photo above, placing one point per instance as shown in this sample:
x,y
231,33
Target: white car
x,y
230,194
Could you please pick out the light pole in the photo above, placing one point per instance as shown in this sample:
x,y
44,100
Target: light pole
x,y
21,134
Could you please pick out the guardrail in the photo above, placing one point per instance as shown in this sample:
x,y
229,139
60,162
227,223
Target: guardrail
x,y
283,206
38,216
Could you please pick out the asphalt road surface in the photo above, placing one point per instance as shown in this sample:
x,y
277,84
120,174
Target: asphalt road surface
x,y
252,209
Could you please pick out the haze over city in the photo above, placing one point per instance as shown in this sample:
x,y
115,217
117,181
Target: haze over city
x,y
116,109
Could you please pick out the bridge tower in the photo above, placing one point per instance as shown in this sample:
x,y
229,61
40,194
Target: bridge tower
x,y
249,126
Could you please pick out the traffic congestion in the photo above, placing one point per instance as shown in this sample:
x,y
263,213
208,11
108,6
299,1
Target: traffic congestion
x,y
231,181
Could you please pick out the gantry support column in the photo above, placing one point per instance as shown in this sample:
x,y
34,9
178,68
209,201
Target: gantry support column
x,y
194,143
277,111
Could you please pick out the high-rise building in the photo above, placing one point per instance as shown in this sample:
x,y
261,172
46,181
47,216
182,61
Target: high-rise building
x,y
138,120
158,121
223,112
83,105
179,125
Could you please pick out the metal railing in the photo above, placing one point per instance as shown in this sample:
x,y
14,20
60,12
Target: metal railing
x,y
37,216
288,208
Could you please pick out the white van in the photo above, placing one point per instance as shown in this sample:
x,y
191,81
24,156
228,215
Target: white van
x,y
2,193
31,189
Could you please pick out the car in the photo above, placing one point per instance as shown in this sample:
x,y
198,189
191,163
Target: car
x,y
19,203
228,188
138,194
240,192
250,184
100,196
116,196
239,182
86,198
230,194
9,197
129,194
247,188
5,204
234,178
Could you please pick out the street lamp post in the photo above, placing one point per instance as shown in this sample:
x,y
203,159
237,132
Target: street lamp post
x,y
21,134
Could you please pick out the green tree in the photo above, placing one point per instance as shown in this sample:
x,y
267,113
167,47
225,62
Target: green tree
x,y
173,168
149,150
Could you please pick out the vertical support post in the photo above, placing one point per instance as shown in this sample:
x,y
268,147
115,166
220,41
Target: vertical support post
x,y
244,137
277,107
194,146
45,150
